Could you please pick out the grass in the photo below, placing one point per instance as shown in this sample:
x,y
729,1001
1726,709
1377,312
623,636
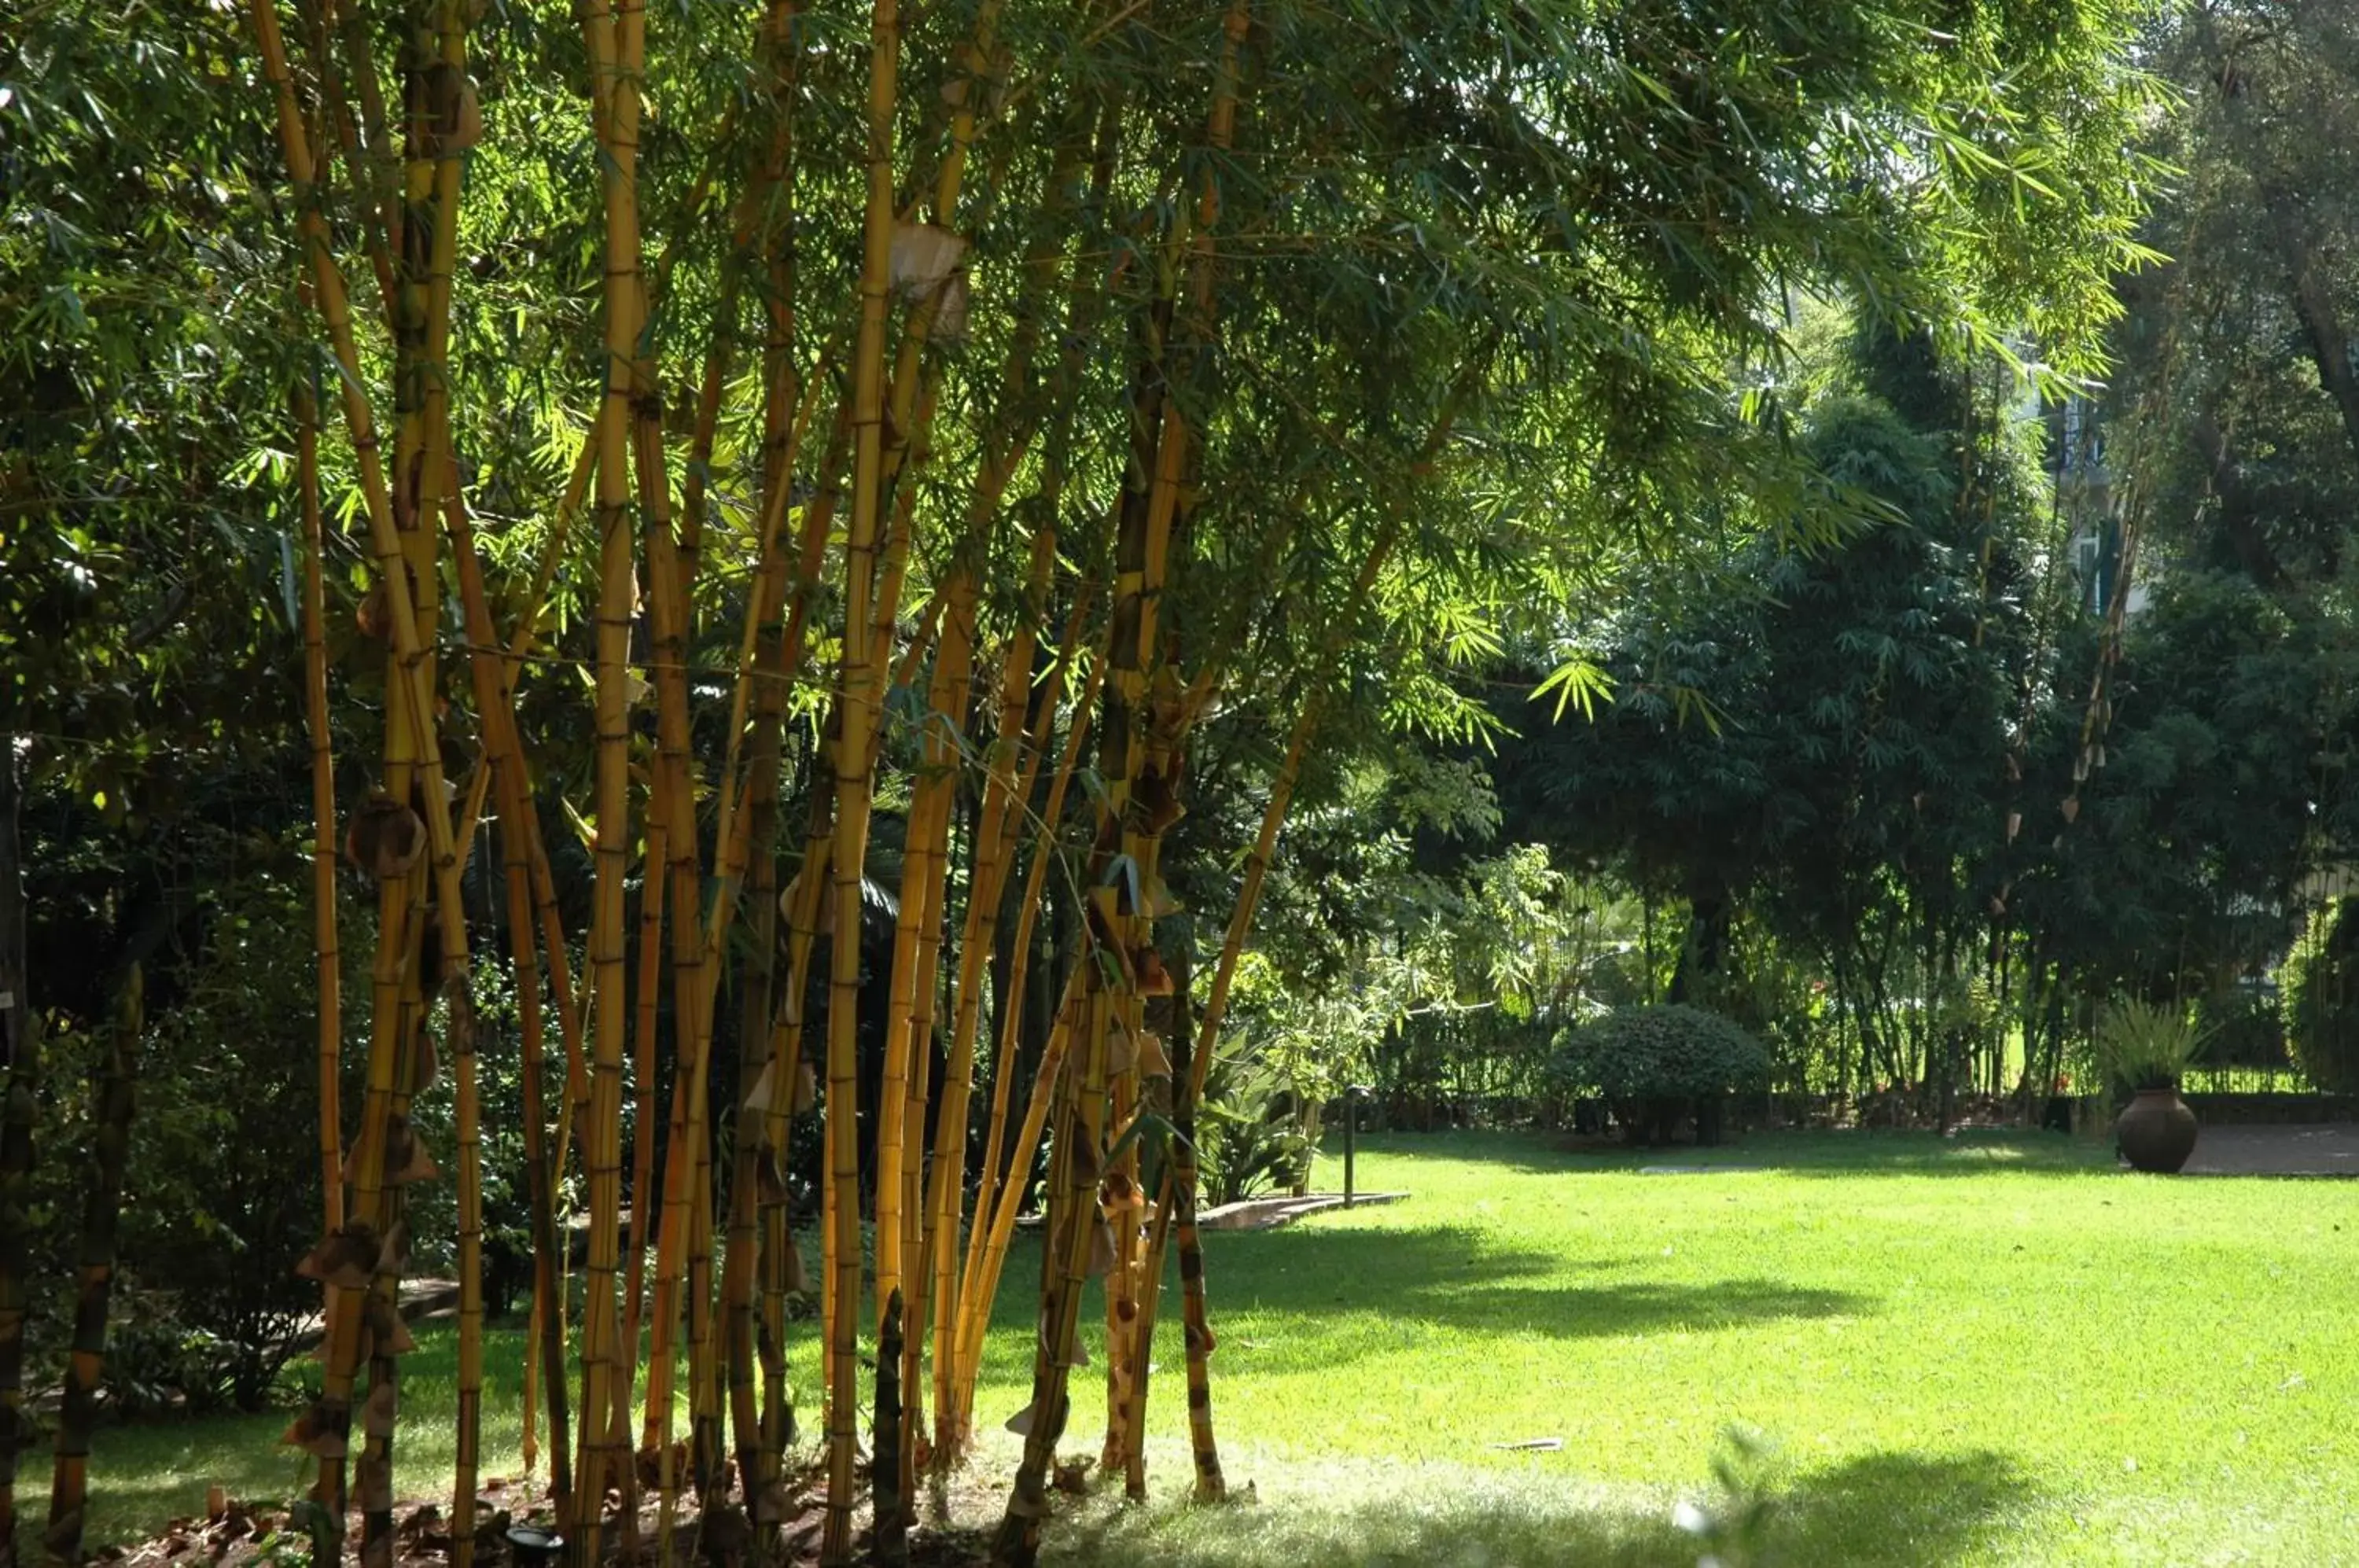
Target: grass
x,y
1989,1350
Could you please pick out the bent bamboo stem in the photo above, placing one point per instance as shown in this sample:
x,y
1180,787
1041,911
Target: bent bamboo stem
x,y
520,840
987,1255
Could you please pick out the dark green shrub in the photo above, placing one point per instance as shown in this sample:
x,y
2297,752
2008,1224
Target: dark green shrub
x,y
2242,1029
1661,1052
2322,1000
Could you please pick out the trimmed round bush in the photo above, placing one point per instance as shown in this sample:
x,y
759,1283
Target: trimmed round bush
x,y
1669,1051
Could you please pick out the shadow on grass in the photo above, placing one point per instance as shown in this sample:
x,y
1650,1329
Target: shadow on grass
x,y
141,1476
1882,1511
1448,1278
1823,1152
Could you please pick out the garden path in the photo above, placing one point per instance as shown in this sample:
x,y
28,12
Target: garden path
x,y
2325,1149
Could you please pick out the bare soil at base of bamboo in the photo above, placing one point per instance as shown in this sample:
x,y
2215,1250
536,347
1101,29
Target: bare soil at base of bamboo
x,y
244,1533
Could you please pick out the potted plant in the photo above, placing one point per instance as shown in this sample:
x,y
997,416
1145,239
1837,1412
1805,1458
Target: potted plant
x,y
2144,1047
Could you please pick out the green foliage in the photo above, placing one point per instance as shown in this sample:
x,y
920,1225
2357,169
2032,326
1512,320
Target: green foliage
x,y
2241,1028
1496,288
1667,1051
2145,1045
1805,755
1736,1524
2192,839
2322,999
225,1161
1251,1137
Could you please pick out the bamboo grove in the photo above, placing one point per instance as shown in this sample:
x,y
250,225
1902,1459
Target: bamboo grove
x,y
850,473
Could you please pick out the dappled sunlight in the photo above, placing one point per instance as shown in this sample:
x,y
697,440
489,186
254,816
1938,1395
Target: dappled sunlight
x,y
1847,1152
1886,1508
1347,1294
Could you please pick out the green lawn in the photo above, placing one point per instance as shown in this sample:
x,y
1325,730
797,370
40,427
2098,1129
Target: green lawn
x,y
1996,1350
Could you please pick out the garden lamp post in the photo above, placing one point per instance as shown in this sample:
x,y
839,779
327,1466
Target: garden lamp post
x,y
1352,1098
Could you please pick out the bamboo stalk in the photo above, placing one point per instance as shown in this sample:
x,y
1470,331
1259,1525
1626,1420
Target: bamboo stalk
x,y
910,989
809,892
911,400
377,162
652,1213
761,1453
977,1284
1071,1220
812,905
334,104
983,1269
856,710
704,1384
754,1060
323,808
600,1354
1002,1229
655,1433
530,602
469,1117
1126,1319
1003,797
432,79
520,841
892,1504
938,1247
1115,921
411,753
686,1188
1179,1186
443,96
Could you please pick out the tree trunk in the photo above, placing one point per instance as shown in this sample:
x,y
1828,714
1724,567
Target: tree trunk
x,y
102,1204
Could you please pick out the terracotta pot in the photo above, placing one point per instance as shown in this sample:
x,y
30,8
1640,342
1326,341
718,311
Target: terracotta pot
x,y
2157,1132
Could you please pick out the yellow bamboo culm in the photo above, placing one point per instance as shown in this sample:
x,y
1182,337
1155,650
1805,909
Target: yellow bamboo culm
x,y
447,98
519,843
414,779
684,1256
1070,1232
329,1421
994,820
614,90
900,1221
748,814
857,712
1115,921
1139,1268
988,1247
908,1029
975,1317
